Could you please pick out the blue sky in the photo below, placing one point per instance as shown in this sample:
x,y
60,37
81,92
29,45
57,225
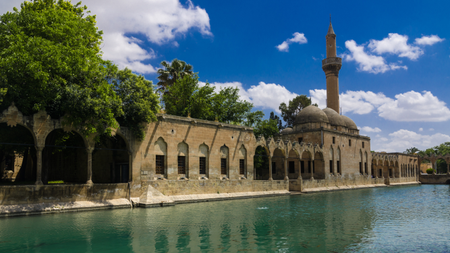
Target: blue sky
x,y
394,81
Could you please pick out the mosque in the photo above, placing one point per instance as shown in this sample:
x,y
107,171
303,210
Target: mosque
x,y
184,159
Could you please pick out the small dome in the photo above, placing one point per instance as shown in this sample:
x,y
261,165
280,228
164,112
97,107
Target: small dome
x,y
334,117
349,123
311,114
287,130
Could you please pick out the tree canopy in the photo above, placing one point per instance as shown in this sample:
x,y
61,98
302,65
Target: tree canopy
x,y
172,72
294,106
50,59
186,98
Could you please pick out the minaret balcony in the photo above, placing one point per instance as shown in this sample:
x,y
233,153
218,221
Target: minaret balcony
x,y
332,60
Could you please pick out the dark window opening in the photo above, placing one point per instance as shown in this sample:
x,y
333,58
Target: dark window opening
x,y
390,172
181,164
300,140
360,168
242,166
331,166
338,167
365,168
349,142
223,166
334,140
363,144
274,168
302,166
380,173
309,166
159,164
202,165
291,167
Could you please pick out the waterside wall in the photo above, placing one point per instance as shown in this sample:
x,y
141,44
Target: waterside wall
x,y
435,179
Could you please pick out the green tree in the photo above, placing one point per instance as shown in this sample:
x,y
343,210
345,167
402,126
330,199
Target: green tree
x,y
186,98
171,72
412,151
290,111
139,101
51,60
275,117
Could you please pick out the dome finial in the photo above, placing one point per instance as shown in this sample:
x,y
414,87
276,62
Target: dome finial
x,y
330,28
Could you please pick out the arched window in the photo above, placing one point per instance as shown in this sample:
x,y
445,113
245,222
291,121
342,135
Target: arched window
x,y
160,156
338,161
183,154
224,160
203,159
242,160
331,160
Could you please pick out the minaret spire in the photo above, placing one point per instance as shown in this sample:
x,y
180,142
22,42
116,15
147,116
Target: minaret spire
x,y
331,66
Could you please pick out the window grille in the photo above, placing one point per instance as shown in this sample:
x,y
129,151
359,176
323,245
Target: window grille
x,y
159,164
202,165
181,165
223,166
242,166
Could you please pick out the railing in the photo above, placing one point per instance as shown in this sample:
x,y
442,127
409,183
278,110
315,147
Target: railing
x,y
331,60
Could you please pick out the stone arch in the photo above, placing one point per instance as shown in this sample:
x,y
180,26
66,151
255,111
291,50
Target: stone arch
x,y
319,165
65,158
338,162
278,159
18,160
183,159
293,162
261,161
242,156
111,160
224,161
203,155
441,166
306,159
361,163
160,152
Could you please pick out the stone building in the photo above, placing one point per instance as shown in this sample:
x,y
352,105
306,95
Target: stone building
x,y
182,157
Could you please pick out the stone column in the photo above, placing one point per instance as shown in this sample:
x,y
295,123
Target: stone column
x,y
130,166
89,165
270,168
448,171
299,169
286,177
39,165
312,169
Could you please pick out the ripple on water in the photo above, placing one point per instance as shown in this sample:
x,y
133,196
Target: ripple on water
x,y
394,219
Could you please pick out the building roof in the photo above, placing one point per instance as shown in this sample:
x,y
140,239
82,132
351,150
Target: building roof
x,y
350,124
334,117
311,114
330,29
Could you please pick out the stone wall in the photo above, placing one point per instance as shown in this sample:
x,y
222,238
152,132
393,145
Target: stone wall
x,y
14,195
434,179
342,181
175,187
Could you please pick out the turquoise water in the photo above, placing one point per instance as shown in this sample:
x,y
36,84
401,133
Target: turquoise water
x,y
394,219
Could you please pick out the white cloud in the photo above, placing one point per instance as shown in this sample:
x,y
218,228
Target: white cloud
x,y
420,129
409,106
367,62
263,95
396,44
298,38
370,129
159,21
428,40
431,129
403,139
414,106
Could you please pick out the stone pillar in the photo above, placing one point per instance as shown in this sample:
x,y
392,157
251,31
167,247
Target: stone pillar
x,y
89,165
39,165
270,168
312,169
448,171
286,177
130,166
299,169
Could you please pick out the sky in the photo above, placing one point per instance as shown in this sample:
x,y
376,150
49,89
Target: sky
x,y
394,80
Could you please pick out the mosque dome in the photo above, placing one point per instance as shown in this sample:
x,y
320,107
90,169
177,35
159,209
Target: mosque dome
x,y
287,130
334,117
311,114
349,123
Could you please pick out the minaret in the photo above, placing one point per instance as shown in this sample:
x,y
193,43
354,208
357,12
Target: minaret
x,y
331,66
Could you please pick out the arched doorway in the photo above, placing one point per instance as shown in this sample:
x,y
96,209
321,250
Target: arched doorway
x,y
64,158
306,165
278,164
110,160
261,163
293,164
17,155
319,166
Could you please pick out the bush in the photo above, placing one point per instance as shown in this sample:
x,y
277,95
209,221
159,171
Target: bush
x,y
430,171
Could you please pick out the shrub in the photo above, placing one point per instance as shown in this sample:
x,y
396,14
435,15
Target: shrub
x,y
430,171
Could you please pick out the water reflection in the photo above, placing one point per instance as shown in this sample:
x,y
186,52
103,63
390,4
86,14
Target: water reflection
x,y
382,220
